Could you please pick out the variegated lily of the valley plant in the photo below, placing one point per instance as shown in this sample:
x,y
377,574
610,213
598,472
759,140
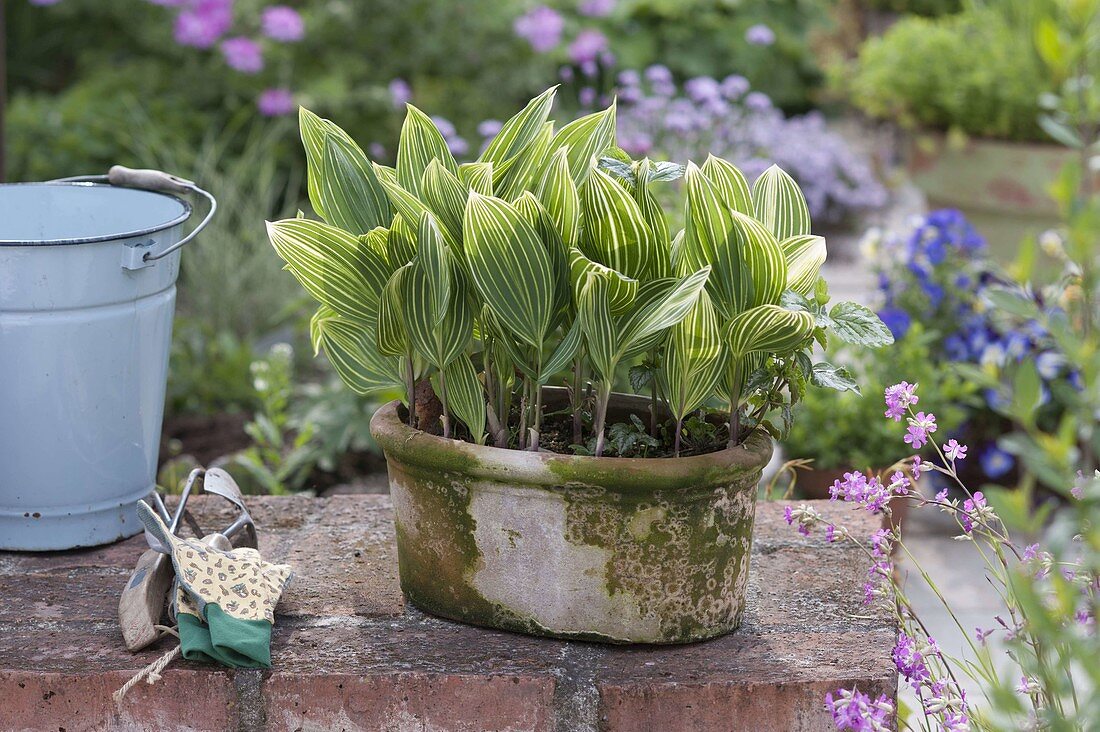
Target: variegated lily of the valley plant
x,y
549,260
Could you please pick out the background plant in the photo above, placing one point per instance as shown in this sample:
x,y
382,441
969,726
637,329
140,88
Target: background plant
x,y
565,259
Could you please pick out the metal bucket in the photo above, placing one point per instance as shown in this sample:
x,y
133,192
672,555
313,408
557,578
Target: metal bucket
x,y
87,293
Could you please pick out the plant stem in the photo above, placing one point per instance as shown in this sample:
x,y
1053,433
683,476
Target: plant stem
x,y
578,400
735,421
522,436
443,400
676,441
536,431
410,384
653,395
603,396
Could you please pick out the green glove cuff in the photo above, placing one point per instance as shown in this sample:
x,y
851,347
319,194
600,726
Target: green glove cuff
x,y
226,640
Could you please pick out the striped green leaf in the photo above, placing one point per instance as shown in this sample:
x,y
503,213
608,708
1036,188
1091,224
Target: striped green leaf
x,y
768,329
314,130
622,290
420,143
600,334
780,205
616,233
350,347
655,217
393,339
563,355
433,258
439,342
585,139
377,240
350,192
445,195
332,266
538,217
515,176
510,267
465,394
558,194
400,242
664,311
477,177
732,184
804,256
409,207
693,360
518,132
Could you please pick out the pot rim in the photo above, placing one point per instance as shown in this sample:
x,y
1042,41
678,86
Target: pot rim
x,y
415,447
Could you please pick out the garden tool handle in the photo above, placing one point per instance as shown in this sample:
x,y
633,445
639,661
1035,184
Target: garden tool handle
x,y
158,180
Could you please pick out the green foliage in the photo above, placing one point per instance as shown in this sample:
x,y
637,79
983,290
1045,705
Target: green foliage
x,y
210,371
917,7
843,431
507,292
977,72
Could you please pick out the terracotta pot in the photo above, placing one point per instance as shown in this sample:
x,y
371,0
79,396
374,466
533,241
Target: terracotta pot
x,y
618,550
1003,188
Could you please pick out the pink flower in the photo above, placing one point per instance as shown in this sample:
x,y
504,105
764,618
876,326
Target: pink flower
x,y
587,46
275,102
243,54
541,27
898,398
954,451
975,509
920,426
281,23
203,23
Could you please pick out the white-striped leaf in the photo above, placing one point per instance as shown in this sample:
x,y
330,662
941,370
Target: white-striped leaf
x,y
477,177
537,216
768,329
585,139
314,130
352,197
409,207
622,290
445,195
780,205
377,240
518,132
439,342
400,242
465,394
804,255
393,338
731,183
693,360
558,194
332,266
655,217
515,176
563,355
350,347
432,256
663,311
600,334
510,267
420,143
615,230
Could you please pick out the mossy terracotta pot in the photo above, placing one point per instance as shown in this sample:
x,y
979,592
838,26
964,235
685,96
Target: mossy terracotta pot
x,y
618,550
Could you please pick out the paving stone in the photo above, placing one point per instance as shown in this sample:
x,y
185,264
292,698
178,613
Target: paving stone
x,y
349,654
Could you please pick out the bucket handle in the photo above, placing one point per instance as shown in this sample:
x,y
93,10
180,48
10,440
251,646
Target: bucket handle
x,y
151,180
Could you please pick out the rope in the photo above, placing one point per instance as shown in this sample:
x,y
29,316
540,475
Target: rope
x,y
150,673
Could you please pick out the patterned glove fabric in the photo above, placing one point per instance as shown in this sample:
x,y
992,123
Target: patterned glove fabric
x,y
225,600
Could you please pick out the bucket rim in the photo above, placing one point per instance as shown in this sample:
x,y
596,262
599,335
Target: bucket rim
x,y
185,214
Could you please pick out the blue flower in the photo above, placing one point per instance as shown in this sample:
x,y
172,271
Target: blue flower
x,y
956,348
996,462
897,320
1049,364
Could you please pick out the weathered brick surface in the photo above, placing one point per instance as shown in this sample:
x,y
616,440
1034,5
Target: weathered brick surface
x,y
350,655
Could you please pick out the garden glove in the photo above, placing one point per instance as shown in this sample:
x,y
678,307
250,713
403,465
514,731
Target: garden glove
x,y
225,600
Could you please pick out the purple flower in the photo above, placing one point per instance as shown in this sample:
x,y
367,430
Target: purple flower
x,y
489,127
629,77
44,3
1030,552
899,398
830,533
702,89
658,74
996,463
974,509
899,483
586,96
760,35
376,150
941,497
920,426
880,543
910,661
596,8
541,27
954,451
788,514
203,23
858,488
275,102
854,710
734,87
243,54
400,93
758,101
587,46
282,23
980,635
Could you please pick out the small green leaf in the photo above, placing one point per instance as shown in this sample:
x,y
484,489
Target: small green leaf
x,y
856,324
594,313
768,329
804,255
616,233
352,196
420,143
780,205
558,194
731,183
351,349
585,139
828,376
446,197
518,132
477,177
622,290
465,395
